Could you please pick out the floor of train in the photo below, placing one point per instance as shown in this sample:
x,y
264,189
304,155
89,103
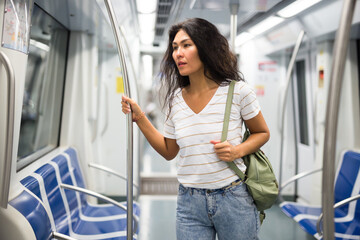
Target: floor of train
x,y
157,220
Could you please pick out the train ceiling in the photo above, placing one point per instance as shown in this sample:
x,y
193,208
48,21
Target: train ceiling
x,y
215,11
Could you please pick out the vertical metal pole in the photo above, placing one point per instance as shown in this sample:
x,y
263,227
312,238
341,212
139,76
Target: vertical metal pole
x,y
6,171
288,78
338,65
134,74
234,8
129,192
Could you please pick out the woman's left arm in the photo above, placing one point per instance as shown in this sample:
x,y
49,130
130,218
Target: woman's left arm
x,y
260,134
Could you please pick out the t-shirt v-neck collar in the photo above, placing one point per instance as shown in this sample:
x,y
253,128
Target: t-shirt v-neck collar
x,y
206,106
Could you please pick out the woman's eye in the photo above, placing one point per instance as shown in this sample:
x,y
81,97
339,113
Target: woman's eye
x,y
187,45
175,47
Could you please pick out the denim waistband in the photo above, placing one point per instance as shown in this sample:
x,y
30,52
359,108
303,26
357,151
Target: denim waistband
x,y
208,191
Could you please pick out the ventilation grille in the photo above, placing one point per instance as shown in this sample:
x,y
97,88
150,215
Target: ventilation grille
x,y
162,16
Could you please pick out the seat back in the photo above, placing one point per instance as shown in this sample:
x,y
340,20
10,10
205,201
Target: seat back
x,y
51,195
43,186
71,176
31,207
50,208
347,183
71,152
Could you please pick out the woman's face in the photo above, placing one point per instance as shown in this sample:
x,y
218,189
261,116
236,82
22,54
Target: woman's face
x,y
185,55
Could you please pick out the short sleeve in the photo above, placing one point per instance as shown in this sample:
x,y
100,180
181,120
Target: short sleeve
x,y
249,105
169,128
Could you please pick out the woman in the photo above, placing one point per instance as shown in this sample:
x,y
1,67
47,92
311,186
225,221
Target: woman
x,y
196,69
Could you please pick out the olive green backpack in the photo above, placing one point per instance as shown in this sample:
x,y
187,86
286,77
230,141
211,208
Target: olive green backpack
x,y
259,176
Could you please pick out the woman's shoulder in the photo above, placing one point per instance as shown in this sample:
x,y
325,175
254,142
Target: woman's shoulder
x,y
177,96
243,87
178,92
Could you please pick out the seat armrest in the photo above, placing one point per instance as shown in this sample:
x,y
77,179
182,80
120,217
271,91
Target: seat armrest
x,y
109,170
338,204
347,200
100,196
295,178
60,236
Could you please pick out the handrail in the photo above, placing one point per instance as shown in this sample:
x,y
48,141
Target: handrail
x,y
288,77
109,170
100,196
332,111
116,29
339,204
6,171
61,236
297,177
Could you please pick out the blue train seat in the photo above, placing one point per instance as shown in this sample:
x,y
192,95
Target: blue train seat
x,y
347,217
49,207
31,207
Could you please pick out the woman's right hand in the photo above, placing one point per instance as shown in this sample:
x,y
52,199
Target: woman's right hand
x,y
129,105
166,147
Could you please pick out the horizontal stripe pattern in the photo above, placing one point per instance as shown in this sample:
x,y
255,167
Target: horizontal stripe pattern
x,y
198,165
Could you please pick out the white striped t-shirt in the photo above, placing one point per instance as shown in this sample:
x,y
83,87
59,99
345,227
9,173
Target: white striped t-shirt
x,y
198,166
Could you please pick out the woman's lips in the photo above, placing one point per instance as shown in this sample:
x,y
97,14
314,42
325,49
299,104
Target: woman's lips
x,y
180,64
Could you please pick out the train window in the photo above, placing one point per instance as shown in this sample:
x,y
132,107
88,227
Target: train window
x,y
301,92
44,83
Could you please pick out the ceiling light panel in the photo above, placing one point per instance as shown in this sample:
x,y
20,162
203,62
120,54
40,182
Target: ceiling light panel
x,y
265,25
296,7
146,6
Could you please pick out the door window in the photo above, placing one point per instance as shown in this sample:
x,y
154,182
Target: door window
x,y
301,93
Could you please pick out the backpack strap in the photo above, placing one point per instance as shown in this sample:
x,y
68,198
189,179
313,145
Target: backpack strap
x,y
232,165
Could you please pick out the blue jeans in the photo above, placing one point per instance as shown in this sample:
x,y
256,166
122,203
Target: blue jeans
x,y
228,212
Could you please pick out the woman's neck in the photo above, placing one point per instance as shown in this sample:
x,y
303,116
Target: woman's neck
x,y
200,83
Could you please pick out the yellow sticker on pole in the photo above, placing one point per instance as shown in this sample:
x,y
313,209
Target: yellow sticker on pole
x,y
119,85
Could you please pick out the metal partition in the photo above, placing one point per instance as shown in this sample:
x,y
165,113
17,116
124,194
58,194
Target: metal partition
x,y
332,111
129,192
6,171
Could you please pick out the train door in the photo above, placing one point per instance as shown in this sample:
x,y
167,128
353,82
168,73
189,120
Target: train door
x,y
303,113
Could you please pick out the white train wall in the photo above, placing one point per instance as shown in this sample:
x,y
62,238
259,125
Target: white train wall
x,y
264,62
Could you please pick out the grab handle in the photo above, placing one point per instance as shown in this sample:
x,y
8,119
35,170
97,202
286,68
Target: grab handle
x,y
6,170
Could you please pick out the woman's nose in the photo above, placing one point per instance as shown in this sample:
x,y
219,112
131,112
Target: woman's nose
x,y
178,52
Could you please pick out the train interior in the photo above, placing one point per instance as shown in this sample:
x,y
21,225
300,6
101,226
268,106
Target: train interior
x,y
65,143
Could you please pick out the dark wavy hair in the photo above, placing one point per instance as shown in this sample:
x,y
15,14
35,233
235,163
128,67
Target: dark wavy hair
x,y
220,64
